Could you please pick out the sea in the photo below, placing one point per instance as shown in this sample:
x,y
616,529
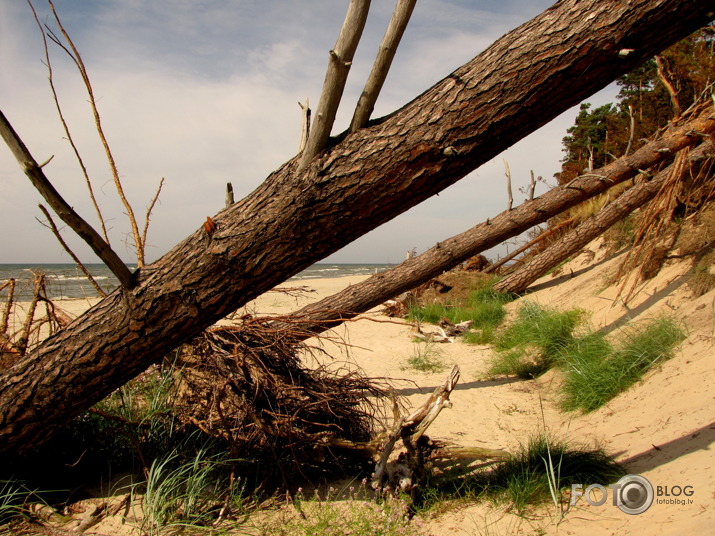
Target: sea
x,y
64,281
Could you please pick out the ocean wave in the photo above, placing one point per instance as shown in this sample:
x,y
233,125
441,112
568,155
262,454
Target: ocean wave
x,y
61,277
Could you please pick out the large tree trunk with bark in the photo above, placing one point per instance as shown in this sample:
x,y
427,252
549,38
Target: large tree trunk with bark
x,y
364,179
361,297
577,238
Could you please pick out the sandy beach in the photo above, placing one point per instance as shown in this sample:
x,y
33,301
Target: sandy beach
x,y
662,428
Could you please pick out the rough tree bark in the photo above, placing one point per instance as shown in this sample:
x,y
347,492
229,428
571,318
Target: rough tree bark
x,y
355,299
521,82
577,238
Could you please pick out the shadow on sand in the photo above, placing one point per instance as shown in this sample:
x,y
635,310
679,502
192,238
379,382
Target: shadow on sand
x,y
477,384
699,439
565,277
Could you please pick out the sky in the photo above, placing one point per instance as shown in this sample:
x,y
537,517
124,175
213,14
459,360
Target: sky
x,y
205,92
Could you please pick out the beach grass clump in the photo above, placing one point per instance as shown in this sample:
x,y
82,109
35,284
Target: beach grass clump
x,y
135,424
541,471
189,491
426,357
15,500
595,372
483,306
533,343
593,369
336,515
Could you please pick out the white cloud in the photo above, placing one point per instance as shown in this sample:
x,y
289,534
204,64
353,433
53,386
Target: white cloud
x,y
206,92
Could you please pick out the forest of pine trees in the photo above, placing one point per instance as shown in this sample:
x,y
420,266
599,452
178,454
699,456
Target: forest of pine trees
x,y
650,96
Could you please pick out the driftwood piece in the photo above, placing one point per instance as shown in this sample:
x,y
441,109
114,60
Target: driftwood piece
x,y
447,331
413,426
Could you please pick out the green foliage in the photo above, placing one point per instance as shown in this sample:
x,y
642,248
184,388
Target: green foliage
x,y
484,307
188,492
594,372
538,472
331,517
14,499
532,344
425,358
590,140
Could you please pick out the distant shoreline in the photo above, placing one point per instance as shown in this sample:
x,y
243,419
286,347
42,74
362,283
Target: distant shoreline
x,y
66,281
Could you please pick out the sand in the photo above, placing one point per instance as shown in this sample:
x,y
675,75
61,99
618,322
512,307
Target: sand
x,y
662,428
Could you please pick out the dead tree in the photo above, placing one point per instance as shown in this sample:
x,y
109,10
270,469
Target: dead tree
x,y
341,58
361,297
572,242
355,184
385,55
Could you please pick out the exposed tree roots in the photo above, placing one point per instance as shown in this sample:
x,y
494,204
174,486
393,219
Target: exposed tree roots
x,y
248,386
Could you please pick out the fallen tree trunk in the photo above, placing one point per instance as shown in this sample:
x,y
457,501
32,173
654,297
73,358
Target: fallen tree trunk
x,y
355,299
572,242
364,179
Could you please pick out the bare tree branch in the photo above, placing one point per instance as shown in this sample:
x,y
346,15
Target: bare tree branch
x,y
510,198
532,186
305,126
542,236
77,58
385,55
70,138
632,130
69,251
341,57
10,284
24,338
151,207
59,205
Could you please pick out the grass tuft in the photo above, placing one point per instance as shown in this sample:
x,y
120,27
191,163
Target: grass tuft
x,y
14,501
539,472
181,492
425,358
594,372
532,344
484,307
331,517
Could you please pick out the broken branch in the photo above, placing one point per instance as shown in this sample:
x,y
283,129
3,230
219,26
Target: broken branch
x,y
59,205
341,57
385,55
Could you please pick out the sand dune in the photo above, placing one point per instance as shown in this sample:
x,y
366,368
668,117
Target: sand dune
x,y
662,428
